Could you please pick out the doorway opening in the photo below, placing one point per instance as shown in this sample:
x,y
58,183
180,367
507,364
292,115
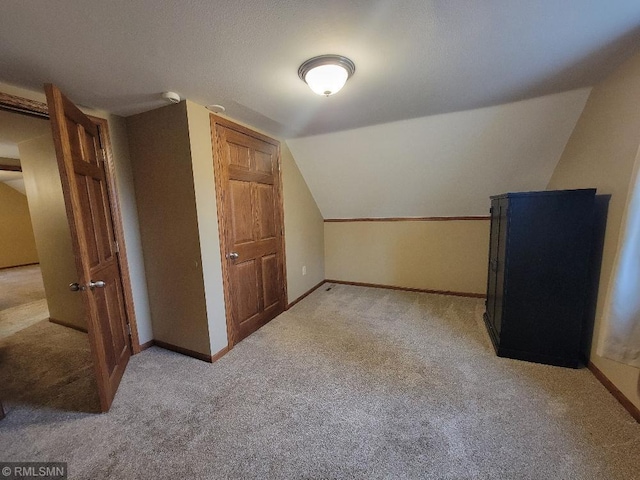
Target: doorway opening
x,y
44,351
78,232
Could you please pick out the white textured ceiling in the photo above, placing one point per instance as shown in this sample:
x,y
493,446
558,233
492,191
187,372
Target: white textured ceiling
x,y
414,58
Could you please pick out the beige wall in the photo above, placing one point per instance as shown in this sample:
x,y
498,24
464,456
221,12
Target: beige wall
x,y
17,243
304,230
130,223
433,255
205,193
51,229
601,153
164,184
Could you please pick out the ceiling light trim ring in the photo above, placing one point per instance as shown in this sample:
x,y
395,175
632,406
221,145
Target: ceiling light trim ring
x,y
320,60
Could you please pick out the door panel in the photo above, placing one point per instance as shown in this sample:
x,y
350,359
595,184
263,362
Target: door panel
x,y
81,164
266,212
100,213
264,162
247,304
93,256
269,270
250,212
241,203
239,156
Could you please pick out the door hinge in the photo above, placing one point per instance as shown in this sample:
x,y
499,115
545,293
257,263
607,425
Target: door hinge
x,y
116,246
129,329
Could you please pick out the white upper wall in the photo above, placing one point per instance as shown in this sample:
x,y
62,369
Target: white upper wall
x,y
443,165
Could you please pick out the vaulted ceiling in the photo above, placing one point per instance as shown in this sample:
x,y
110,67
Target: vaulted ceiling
x,y
451,101
414,58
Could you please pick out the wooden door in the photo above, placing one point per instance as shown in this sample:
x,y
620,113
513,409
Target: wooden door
x,y
80,154
247,168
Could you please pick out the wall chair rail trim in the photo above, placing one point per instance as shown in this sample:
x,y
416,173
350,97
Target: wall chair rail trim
x,y
407,219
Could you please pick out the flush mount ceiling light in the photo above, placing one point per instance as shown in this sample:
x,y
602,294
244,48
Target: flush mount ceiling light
x,y
326,74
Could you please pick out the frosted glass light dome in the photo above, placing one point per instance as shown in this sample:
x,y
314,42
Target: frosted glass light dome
x,y
326,74
326,79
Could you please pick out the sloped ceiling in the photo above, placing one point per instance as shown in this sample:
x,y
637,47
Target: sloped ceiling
x,y
414,58
443,165
452,101
14,180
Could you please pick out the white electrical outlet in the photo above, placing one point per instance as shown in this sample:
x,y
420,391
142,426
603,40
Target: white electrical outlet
x,y
304,270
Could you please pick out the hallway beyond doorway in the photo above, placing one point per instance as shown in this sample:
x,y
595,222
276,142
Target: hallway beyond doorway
x,y
23,301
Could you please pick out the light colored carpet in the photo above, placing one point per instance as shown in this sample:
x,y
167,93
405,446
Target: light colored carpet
x,y
16,318
20,285
22,299
350,383
47,366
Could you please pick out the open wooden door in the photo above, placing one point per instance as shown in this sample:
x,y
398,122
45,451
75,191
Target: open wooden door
x,y
247,169
80,154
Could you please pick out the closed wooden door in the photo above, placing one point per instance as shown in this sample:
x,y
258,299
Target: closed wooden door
x,y
79,150
247,167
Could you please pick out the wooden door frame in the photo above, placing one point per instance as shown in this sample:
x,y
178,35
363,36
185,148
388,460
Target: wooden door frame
x,y
41,110
221,207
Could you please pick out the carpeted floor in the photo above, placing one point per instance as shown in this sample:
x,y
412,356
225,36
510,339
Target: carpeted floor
x,y
47,366
22,299
350,383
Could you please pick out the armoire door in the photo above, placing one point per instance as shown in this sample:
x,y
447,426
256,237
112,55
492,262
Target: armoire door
x,y
250,215
500,264
497,258
493,260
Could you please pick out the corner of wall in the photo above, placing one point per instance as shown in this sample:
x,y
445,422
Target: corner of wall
x,y
601,153
588,91
304,230
130,225
198,118
162,171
